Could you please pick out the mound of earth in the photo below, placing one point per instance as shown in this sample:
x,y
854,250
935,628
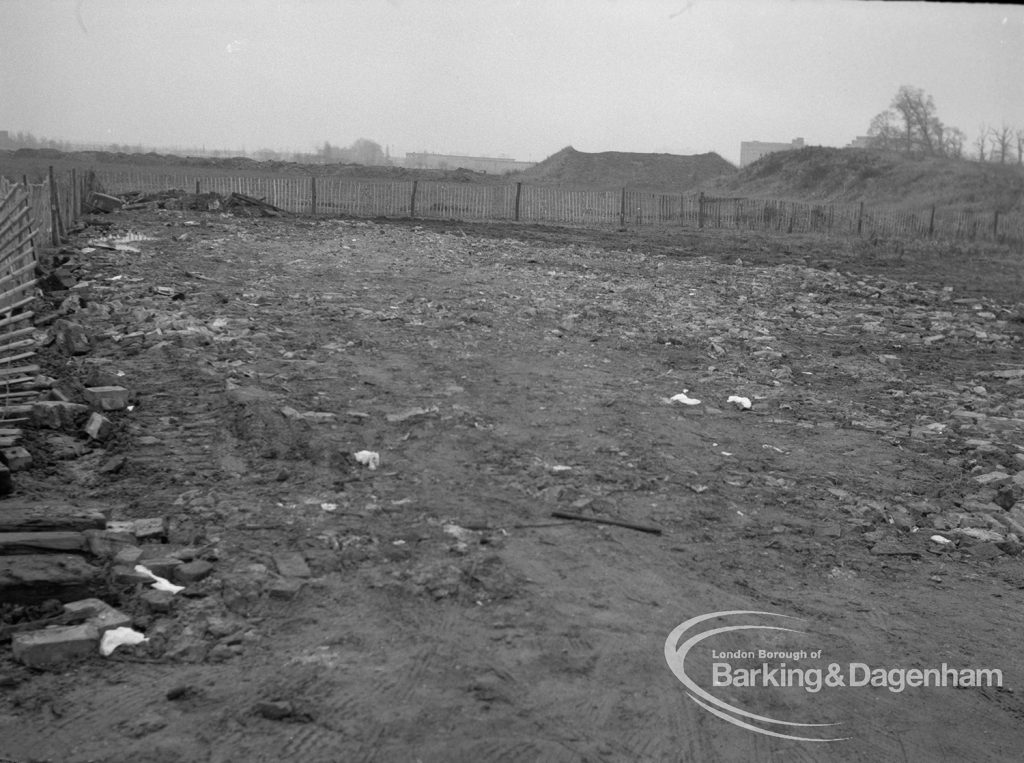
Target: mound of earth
x,y
615,169
818,174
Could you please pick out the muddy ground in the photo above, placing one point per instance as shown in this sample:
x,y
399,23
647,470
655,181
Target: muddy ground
x,y
503,373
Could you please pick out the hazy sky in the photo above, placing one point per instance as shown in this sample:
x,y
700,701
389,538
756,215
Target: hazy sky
x,y
490,77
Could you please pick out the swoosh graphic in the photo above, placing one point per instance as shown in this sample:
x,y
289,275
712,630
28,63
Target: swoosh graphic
x,y
675,656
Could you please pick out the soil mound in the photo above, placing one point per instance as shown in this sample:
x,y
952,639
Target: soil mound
x,y
877,178
615,169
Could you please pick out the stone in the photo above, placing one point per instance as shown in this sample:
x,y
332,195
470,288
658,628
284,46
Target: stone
x,y
57,414
1008,495
100,614
992,478
113,465
41,542
128,556
55,646
125,575
150,528
16,459
284,588
107,543
291,564
64,447
159,602
106,398
192,572
223,652
59,279
187,648
274,711
34,578
161,566
71,337
98,427
984,550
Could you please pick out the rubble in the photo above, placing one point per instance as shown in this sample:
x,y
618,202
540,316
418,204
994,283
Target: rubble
x,y
55,646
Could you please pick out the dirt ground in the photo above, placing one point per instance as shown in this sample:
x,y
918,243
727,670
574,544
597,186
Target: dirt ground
x,y
503,373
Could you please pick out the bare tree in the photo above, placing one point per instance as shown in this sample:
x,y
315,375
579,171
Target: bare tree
x,y
953,140
885,133
1000,139
981,142
910,125
1020,147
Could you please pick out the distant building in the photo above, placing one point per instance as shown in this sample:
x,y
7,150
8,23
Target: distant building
x,y
495,164
861,141
752,150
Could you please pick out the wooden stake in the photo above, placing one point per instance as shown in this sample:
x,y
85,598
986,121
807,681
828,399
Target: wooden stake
x,y
412,200
54,213
600,521
519,193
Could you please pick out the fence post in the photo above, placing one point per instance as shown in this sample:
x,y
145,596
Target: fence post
x,y
75,207
622,209
519,195
54,210
995,225
931,222
700,210
860,218
24,181
197,186
312,195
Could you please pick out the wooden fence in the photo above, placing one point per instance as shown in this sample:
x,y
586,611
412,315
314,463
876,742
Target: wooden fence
x,y
325,196
18,261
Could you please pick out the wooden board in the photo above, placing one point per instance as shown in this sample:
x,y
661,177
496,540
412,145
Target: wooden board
x,y
41,542
34,578
24,516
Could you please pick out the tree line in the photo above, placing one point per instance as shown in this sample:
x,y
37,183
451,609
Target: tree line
x,y
911,126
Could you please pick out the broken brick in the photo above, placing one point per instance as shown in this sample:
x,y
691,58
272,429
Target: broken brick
x,y
106,543
57,414
100,614
291,564
159,602
16,458
98,427
106,398
192,572
54,646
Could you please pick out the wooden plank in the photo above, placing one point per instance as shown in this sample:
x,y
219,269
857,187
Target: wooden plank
x,y
48,516
18,370
41,542
34,578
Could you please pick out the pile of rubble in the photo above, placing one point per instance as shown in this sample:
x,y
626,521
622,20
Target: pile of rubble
x,y
235,203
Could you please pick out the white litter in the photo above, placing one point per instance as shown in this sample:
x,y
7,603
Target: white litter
x,y
684,399
368,458
743,403
939,539
116,637
159,583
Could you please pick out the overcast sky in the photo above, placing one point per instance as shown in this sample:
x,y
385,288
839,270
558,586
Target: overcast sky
x,y
498,77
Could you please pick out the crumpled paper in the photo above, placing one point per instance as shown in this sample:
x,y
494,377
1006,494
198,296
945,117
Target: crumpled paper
x,y
122,636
